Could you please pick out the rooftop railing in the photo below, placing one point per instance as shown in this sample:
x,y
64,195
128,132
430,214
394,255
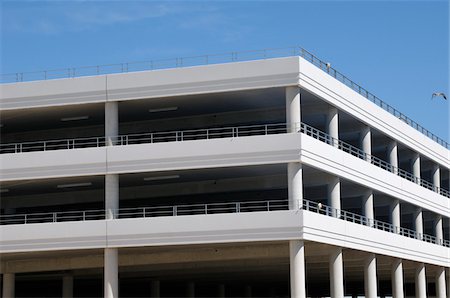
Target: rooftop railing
x,y
215,133
215,208
73,72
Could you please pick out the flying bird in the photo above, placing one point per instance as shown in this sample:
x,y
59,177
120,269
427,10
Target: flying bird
x,y
437,94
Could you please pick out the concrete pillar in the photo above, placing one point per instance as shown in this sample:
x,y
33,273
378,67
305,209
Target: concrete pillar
x,y
297,268
111,195
9,281
416,166
392,151
190,290
111,273
366,141
397,279
440,283
334,195
248,291
336,273
370,277
295,185
111,121
421,281
436,175
418,220
67,286
448,282
368,208
221,291
333,124
439,230
395,215
155,288
293,109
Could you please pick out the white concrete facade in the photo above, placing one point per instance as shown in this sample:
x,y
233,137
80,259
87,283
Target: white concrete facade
x,y
336,202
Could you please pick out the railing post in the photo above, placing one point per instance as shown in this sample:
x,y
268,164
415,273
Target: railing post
x,y
174,210
265,129
54,216
151,138
268,205
25,219
206,208
238,207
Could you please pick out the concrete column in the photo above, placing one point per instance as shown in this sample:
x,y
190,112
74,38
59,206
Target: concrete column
x,y
9,281
416,166
395,215
392,151
440,283
297,268
397,279
295,185
333,124
111,273
67,286
370,277
221,291
336,274
366,141
293,109
418,220
190,290
155,288
111,121
248,291
368,208
448,282
421,281
334,195
436,175
111,195
438,228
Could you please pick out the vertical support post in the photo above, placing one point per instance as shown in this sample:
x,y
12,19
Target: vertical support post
x,y
416,167
9,281
395,215
334,195
295,185
368,207
297,268
370,277
336,273
397,279
420,281
111,195
366,142
448,282
67,286
438,228
418,220
333,125
293,108
111,273
440,283
392,153
155,289
436,175
111,121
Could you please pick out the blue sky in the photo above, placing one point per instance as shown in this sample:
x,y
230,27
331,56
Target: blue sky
x,y
398,50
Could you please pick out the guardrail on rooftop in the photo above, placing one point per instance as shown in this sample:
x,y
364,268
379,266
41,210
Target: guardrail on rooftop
x,y
215,133
72,72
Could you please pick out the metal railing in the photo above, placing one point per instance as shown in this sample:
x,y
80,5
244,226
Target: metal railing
x,y
153,211
373,223
72,72
216,133
355,151
214,208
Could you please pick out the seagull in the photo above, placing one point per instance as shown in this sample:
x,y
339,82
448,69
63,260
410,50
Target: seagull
x,y
437,94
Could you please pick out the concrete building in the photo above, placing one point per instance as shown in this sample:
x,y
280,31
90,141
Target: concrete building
x,y
274,177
